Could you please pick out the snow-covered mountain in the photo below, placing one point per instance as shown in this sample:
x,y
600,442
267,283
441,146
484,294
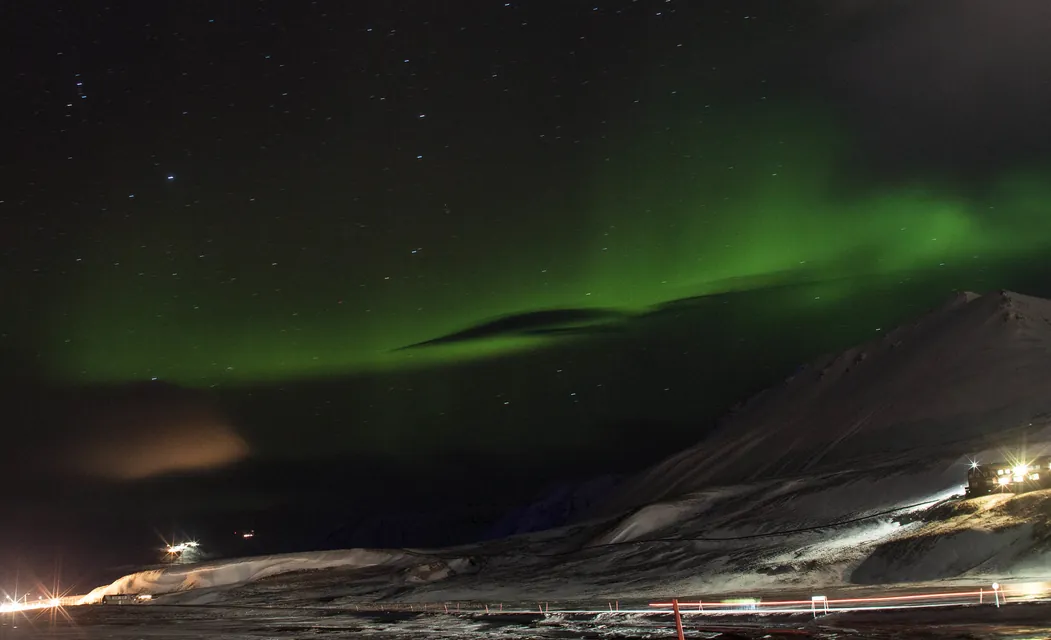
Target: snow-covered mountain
x,y
970,371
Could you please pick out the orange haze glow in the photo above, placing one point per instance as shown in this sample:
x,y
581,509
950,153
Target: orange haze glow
x,y
144,432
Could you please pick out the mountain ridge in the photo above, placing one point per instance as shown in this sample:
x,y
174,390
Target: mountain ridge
x,y
974,364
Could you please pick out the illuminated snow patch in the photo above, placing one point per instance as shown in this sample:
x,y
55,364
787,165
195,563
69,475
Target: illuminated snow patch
x,y
842,547
236,572
931,500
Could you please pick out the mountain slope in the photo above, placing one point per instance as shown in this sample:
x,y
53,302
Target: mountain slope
x,y
969,370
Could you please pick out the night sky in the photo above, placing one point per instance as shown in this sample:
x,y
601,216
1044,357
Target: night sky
x,y
437,240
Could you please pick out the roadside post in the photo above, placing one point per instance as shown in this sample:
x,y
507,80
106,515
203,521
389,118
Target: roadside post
x,y
814,604
678,618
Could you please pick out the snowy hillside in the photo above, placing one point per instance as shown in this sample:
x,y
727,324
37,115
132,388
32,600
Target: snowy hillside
x,y
835,479
971,370
205,582
796,534
232,572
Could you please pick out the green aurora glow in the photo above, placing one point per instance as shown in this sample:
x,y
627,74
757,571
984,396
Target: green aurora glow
x,y
727,204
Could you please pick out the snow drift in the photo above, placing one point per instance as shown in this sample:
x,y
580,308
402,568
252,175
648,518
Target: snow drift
x,y
236,572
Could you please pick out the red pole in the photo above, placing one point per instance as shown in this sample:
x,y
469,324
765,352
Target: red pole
x,y
678,618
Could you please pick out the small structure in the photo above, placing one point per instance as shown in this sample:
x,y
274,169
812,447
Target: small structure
x,y
126,598
1005,477
120,598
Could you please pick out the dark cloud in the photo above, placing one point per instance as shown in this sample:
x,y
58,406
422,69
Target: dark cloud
x,y
552,322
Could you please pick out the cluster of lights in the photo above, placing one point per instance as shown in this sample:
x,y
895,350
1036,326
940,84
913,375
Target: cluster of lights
x,y
1015,473
176,549
1018,473
12,605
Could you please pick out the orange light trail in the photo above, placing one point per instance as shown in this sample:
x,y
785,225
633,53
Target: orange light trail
x,y
786,603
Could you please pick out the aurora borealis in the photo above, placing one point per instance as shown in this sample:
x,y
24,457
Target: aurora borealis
x,y
407,230
243,299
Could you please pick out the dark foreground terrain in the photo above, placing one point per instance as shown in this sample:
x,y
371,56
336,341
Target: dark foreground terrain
x,y
1015,622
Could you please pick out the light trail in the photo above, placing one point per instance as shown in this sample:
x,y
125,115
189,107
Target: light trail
x,y
998,595
779,603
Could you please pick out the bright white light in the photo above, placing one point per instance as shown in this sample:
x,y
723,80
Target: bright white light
x,y
1020,470
182,546
1003,480
9,607
1030,591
